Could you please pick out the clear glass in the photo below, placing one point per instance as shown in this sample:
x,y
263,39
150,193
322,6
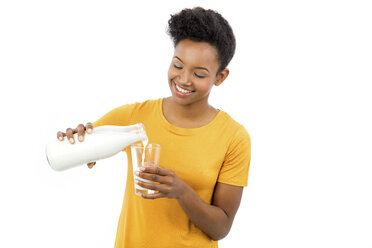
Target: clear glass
x,y
144,157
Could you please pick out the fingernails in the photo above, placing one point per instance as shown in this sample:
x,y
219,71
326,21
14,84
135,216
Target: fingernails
x,y
89,130
135,181
71,140
142,168
60,138
137,173
81,138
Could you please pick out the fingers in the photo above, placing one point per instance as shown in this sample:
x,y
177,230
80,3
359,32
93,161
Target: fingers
x,y
91,164
152,196
162,188
60,135
157,170
80,130
155,177
89,127
69,135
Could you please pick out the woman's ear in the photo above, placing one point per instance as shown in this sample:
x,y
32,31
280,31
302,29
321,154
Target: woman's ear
x,y
222,76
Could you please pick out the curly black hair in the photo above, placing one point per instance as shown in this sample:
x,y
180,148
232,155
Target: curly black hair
x,y
202,25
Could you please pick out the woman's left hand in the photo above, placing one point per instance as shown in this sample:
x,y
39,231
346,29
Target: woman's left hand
x,y
166,183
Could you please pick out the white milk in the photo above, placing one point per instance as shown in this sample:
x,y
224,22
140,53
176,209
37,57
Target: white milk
x,y
138,161
104,142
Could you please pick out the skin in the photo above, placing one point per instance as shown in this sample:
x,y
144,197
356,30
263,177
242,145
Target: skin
x,y
80,130
194,67
191,61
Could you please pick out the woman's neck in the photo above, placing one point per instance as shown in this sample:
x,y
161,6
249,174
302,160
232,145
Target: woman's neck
x,y
188,116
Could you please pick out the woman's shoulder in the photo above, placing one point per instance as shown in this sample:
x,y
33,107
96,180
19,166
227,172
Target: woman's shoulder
x,y
147,105
232,126
229,120
150,103
122,115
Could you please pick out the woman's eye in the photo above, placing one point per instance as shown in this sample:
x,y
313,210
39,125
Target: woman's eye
x,y
177,67
199,76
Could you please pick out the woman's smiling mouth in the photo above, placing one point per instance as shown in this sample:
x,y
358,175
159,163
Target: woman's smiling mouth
x,y
181,91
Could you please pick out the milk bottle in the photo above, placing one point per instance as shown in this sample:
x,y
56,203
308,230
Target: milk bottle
x,y
104,142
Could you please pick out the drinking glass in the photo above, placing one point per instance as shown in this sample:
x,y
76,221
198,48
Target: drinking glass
x,y
141,156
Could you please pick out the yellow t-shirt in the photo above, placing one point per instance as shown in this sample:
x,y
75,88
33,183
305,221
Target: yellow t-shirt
x,y
216,152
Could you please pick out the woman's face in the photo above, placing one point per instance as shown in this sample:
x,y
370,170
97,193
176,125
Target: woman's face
x,y
193,72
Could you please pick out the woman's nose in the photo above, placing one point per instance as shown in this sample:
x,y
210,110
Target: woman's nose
x,y
184,78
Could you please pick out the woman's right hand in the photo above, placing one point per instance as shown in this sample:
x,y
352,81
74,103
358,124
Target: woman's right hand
x,y
80,130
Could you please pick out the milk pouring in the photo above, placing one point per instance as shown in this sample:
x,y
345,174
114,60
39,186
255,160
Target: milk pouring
x,y
104,142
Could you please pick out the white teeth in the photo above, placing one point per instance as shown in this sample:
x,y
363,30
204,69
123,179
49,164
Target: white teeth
x,y
182,90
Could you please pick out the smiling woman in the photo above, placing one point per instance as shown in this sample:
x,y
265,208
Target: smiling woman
x,y
196,72
205,155
191,76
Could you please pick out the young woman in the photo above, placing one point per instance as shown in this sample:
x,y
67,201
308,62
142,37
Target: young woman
x,y
205,154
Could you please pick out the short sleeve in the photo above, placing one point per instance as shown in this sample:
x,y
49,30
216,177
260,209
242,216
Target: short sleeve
x,y
235,168
119,116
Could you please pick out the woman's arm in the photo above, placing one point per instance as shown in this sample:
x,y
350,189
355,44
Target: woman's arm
x,y
215,220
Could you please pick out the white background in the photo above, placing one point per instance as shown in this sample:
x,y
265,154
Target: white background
x,y
300,83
